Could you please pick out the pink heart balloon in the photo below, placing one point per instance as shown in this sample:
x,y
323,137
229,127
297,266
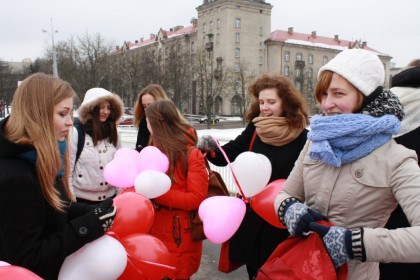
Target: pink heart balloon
x,y
221,216
152,158
121,172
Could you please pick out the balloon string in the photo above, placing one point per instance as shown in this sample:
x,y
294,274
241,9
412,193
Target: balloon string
x,y
245,199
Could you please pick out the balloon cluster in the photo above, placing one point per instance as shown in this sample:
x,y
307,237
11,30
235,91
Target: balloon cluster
x,y
145,171
222,215
126,251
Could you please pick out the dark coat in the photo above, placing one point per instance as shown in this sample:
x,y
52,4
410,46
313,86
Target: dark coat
x,y
256,239
143,134
402,271
33,234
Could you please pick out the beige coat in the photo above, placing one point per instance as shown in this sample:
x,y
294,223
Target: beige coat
x,y
363,194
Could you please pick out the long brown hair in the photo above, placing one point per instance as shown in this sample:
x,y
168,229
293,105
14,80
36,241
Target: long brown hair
x,y
100,130
294,106
31,123
154,90
171,134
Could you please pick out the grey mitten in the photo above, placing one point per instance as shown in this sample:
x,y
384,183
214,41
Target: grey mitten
x,y
337,240
297,216
206,144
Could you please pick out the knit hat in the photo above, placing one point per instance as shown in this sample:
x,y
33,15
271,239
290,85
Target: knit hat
x,y
94,97
361,68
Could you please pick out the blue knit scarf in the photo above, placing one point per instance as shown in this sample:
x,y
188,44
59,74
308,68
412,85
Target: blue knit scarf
x,y
344,138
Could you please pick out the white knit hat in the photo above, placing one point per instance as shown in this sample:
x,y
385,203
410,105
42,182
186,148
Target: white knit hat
x,y
362,68
93,97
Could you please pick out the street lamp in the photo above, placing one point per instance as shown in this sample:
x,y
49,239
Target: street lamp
x,y
54,65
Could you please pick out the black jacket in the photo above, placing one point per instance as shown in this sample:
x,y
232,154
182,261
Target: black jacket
x,y
256,239
143,134
32,234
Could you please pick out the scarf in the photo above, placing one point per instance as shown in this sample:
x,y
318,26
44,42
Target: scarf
x,y
382,102
410,99
275,130
344,138
31,156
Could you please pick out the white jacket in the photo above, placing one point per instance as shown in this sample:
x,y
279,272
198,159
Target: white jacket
x,y
87,180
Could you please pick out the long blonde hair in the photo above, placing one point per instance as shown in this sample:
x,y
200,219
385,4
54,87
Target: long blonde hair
x,y
154,90
31,123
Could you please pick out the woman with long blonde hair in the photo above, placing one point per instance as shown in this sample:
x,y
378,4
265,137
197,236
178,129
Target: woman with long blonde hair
x,y
40,222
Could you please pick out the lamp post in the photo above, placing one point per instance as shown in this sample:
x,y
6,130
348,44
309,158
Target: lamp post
x,y
54,65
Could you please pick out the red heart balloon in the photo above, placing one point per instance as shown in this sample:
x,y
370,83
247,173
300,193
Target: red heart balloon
x,y
135,214
263,203
148,258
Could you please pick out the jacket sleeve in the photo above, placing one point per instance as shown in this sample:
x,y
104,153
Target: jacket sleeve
x,y
74,136
402,244
196,186
293,187
233,148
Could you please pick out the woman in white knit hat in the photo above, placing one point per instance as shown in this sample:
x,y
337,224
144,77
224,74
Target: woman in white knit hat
x,y
352,172
98,116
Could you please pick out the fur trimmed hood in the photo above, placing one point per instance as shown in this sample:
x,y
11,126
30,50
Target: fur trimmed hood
x,y
95,96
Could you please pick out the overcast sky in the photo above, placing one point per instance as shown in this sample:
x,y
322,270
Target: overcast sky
x,y
391,27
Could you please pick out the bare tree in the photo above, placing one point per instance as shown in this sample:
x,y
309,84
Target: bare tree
x,y
211,80
238,81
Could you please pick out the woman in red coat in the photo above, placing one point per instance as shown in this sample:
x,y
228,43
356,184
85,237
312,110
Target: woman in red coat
x,y
177,140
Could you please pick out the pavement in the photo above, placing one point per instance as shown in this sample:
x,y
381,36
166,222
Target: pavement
x,y
209,262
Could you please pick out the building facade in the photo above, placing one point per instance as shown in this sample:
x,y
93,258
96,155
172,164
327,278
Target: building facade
x,y
237,37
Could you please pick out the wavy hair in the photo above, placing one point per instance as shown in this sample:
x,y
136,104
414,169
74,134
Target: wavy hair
x,y
294,105
154,90
171,134
31,123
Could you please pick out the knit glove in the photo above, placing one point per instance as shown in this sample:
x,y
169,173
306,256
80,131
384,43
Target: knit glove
x,y
96,221
337,240
297,216
206,144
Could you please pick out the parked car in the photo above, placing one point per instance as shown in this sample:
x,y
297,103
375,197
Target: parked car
x,y
214,118
126,120
192,117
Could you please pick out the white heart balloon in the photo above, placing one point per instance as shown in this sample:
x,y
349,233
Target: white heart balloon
x,y
152,183
253,172
102,259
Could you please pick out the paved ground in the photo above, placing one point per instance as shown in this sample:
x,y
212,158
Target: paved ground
x,y
209,262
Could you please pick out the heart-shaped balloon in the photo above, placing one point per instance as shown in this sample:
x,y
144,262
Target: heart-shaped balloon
x,y
151,157
121,171
221,216
152,183
253,172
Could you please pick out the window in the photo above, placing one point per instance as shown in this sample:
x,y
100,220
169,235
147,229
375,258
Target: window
x,y
192,46
298,85
324,60
238,37
310,58
238,22
298,72
237,52
299,57
261,45
310,72
286,56
260,61
217,38
204,27
237,67
286,70
218,23
261,30
211,25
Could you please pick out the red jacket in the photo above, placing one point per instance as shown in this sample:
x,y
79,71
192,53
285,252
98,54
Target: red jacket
x,y
171,219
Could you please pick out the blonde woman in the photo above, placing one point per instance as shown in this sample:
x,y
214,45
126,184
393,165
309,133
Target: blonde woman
x,y
40,222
